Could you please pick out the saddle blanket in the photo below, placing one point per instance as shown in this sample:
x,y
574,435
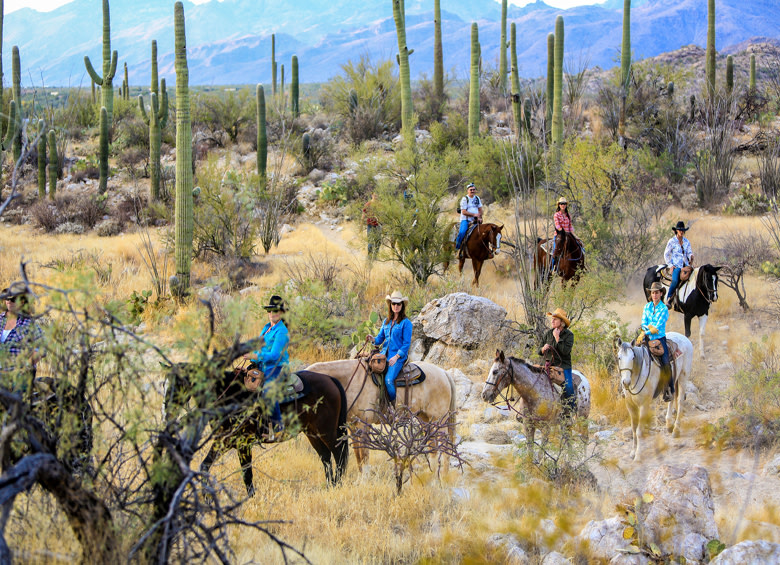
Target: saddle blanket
x,y
294,391
410,375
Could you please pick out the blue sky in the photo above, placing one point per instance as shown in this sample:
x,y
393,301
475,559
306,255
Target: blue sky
x,y
48,5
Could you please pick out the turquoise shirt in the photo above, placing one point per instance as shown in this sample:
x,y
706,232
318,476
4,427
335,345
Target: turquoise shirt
x,y
273,354
656,316
396,338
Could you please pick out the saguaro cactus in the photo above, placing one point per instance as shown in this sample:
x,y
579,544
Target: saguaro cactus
x,y
527,115
438,56
502,51
710,54
2,11
262,137
109,66
54,164
10,133
273,64
729,74
548,111
183,210
156,119
752,83
294,93
474,85
41,159
516,108
103,165
557,120
407,110
625,66
126,86
281,89
17,96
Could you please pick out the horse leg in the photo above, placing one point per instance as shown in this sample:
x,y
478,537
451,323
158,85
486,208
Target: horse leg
x,y
669,419
325,456
477,266
530,432
642,424
244,449
361,453
217,449
679,398
702,326
461,262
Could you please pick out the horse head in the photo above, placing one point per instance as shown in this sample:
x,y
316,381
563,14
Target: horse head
x,y
629,362
498,377
707,282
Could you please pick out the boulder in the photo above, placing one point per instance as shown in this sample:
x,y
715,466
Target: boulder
x,y
749,552
509,546
445,355
772,469
555,558
461,319
464,388
605,538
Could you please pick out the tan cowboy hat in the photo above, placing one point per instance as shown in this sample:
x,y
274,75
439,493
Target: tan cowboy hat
x,y
656,286
560,313
396,297
562,200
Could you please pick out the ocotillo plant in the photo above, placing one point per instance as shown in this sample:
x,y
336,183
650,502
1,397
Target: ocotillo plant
x,y
438,56
516,109
710,54
17,96
54,164
474,85
729,74
294,93
752,83
625,66
548,110
262,137
109,66
273,65
407,110
183,211
502,51
41,160
103,164
557,120
156,120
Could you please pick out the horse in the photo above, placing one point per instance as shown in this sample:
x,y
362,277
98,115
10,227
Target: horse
x,y
639,379
541,402
568,252
693,298
483,244
236,414
431,400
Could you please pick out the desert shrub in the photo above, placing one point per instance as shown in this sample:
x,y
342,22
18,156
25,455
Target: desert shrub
x,y
135,160
451,132
769,170
486,167
747,203
428,107
69,227
81,111
45,215
364,122
86,209
715,162
124,110
318,154
222,116
108,228
131,133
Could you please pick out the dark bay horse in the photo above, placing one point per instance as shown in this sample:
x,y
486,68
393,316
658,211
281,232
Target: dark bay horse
x,y
236,416
483,244
570,258
694,296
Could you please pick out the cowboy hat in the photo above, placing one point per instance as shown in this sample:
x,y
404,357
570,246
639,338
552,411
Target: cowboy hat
x,y
656,286
680,226
14,290
560,313
562,200
276,304
396,297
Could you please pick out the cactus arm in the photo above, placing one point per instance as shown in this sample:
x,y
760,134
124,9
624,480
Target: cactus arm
x,y
473,125
112,70
96,78
163,115
141,105
557,121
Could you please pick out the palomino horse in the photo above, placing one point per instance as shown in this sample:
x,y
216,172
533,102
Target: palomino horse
x,y
568,252
694,296
639,378
483,244
236,415
431,399
541,402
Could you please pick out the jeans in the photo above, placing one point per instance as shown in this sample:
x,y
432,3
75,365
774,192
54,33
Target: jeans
x,y
675,283
464,226
271,386
569,395
392,373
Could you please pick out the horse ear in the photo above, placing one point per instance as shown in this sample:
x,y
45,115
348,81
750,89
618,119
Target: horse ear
x,y
718,268
617,342
500,356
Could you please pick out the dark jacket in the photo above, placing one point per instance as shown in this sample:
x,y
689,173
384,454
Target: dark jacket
x,y
560,356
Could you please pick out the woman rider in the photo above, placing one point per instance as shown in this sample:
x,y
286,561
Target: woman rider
x,y
396,334
562,221
273,360
19,332
678,254
654,318
558,343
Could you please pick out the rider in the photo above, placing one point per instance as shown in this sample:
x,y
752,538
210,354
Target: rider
x,y
20,331
396,334
273,360
470,212
558,343
562,221
654,318
678,254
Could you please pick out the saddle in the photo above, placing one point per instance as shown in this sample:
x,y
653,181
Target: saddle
x,y
464,249
656,353
410,375
666,274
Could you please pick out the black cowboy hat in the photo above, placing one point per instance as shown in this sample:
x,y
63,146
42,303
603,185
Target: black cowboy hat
x,y
680,226
14,290
276,304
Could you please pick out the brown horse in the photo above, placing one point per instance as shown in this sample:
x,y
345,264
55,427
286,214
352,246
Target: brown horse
x,y
569,256
483,244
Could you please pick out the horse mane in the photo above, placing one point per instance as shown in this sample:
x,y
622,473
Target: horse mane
x,y
530,365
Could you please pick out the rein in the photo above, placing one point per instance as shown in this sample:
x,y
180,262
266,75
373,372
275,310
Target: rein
x,y
365,376
631,370
704,296
505,397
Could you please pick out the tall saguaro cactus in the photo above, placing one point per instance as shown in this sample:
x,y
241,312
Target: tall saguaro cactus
x,y
16,89
2,12
729,74
548,110
752,83
54,164
710,54
625,66
502,71
183,209
438,56
281,89
516,108
294,92
41,160
103,165
106,82
273,64
557,120
474,85
262,137
407,110
156,119
125,86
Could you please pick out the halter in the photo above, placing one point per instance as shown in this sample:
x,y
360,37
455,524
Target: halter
x,y
631,372
707,288
511,373
491,247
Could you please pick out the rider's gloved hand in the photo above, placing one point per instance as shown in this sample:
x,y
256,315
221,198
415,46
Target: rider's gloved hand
x,y
653,329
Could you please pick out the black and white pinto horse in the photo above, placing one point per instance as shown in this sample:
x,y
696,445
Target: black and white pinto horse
x,y
694,296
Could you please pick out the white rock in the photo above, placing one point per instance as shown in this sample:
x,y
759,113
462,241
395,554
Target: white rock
x,y
749,552
464,388
510,546
461,319
555,558
772,468
604,537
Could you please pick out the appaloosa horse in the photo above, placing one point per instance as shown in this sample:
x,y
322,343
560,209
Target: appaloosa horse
x,y
694,296
639,379
570,258
482,244
541,402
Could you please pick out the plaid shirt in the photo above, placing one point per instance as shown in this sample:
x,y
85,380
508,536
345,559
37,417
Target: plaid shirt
x,y
562,222
26,332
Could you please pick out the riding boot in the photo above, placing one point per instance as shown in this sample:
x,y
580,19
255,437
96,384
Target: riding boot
x,y
666,375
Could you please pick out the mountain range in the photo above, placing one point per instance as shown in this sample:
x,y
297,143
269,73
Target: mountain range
x,y
229,42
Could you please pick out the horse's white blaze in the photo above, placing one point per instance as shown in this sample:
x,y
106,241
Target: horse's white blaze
x,y
714,288
489,390
498,242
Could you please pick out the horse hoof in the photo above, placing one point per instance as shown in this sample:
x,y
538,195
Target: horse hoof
x,y
676,432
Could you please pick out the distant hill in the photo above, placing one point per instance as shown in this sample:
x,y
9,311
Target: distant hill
x,y
229,41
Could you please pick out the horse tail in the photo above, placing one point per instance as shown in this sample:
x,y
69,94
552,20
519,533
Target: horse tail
x,y
341,449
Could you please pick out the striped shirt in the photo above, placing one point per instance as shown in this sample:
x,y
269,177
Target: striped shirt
x,y
656,316
562,222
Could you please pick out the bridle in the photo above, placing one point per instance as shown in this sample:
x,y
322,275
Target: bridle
x,y
490,242
631,372
505,398
709,291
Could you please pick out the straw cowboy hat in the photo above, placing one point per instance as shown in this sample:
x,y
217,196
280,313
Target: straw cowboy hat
x,y
656,286
680,226
396,297
562,200
560,313
276,304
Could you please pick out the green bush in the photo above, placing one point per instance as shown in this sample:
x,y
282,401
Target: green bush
x,y
453,132
747,203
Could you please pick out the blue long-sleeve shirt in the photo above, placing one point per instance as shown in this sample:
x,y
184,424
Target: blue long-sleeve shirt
x,y
397,338
273,354
656,316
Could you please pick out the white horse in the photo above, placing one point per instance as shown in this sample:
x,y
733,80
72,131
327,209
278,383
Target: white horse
x,y
639,378
431,399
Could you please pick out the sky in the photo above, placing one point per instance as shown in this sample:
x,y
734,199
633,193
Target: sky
x,y
49,5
